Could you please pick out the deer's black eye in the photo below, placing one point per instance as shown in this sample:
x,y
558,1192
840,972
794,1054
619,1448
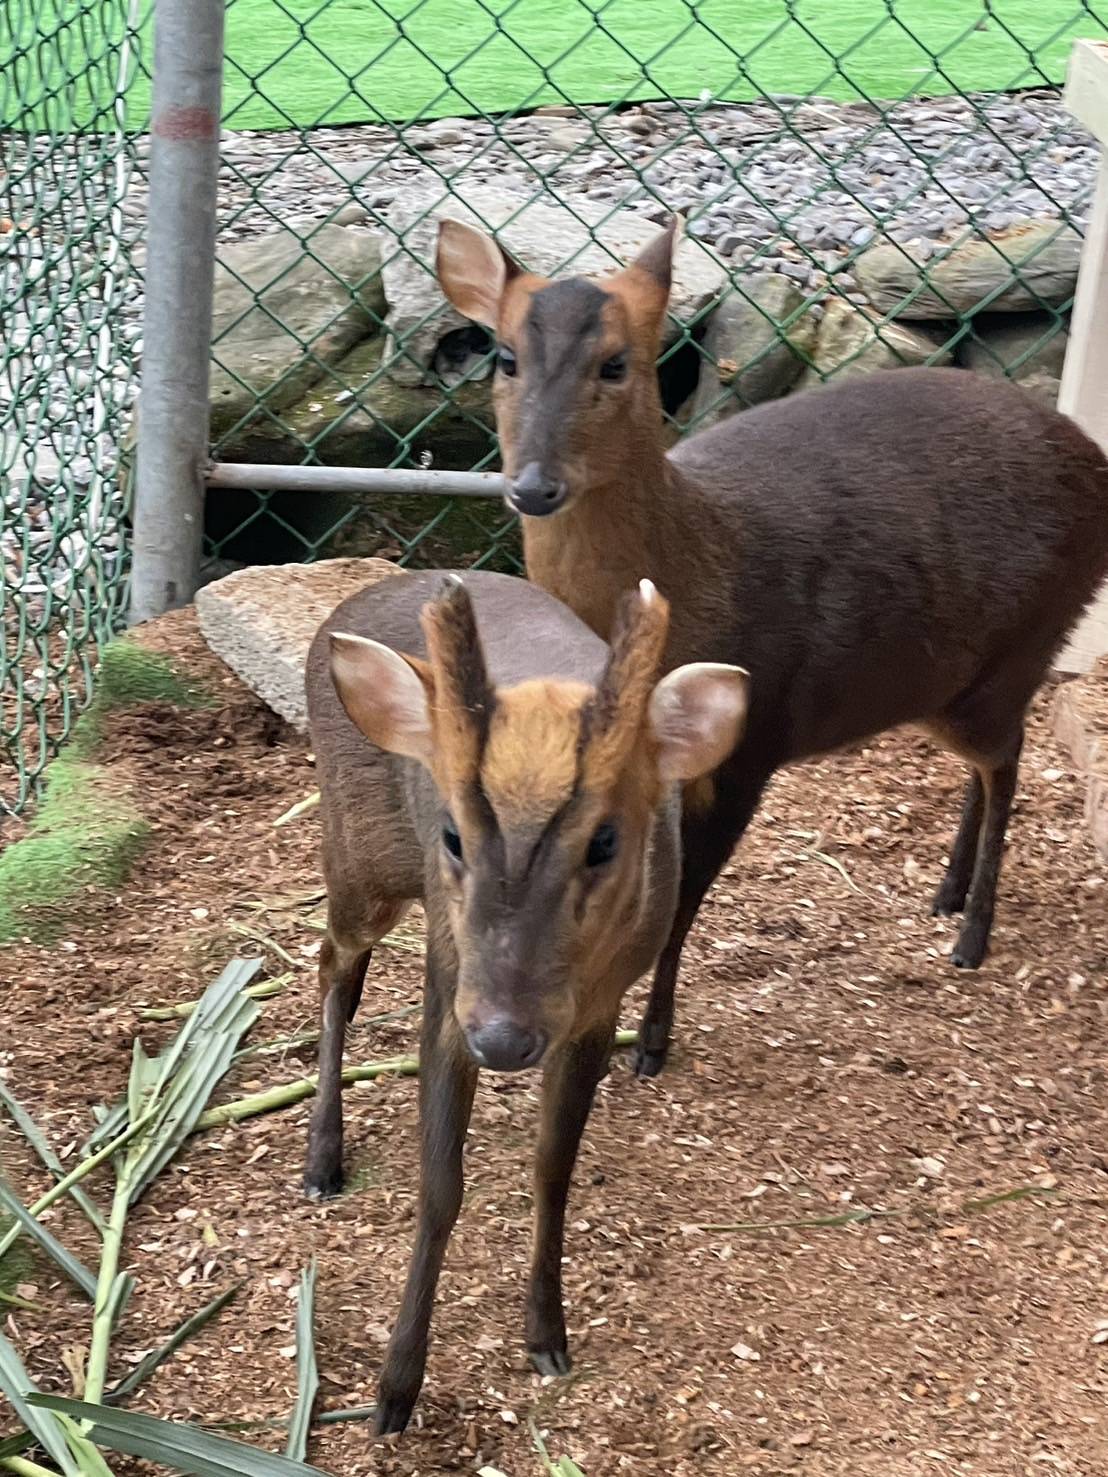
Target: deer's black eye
x,y
614,368
505,360
603,846
451,840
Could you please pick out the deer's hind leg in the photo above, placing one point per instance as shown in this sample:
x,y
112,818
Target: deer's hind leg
x,y
354,925
991,742
951,896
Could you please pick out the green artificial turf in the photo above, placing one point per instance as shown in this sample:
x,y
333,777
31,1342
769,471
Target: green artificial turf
x,y
305,62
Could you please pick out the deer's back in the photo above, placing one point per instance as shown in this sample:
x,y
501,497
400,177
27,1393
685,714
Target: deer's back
x,y
871,550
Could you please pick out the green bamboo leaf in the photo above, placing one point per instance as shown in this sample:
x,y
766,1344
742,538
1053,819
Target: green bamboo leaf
x,y
146,1367
185,1448
38,1141
212,1006
307,1374
13,1445
17,1385
76,1271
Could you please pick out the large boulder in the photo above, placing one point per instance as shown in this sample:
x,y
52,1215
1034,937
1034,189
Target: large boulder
x,y
853,341
261,622
1016,270
360,416
546,237
749,353
283,308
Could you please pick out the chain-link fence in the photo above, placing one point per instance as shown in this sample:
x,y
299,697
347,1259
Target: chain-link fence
x,y
68,339
865,184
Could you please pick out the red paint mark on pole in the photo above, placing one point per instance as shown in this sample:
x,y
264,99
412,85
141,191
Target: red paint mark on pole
x,y
186,123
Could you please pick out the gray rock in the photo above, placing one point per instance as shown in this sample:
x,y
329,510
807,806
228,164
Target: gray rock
x,y
747,359
271,299
358,417
261,622
1026,266
1044,388
853,341
544,236
1018,345
351,214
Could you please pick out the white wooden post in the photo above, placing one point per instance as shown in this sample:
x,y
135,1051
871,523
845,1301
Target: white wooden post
x,y
1084,392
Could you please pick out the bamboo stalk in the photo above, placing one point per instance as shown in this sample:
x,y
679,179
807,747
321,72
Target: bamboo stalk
x,y
264,990
274,1098
25,1468
309,1038
103,1313
65,1184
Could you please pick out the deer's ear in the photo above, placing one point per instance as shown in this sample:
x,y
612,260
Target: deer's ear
x,y
384,694
656,258
473,271
697,715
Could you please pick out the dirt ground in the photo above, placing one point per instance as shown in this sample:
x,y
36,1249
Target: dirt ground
x,y
828,1058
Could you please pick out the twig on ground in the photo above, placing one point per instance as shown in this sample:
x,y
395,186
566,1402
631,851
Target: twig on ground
x,y
244,930
862,1214
300,808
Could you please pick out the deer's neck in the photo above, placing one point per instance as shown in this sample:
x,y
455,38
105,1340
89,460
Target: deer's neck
x,y
608,539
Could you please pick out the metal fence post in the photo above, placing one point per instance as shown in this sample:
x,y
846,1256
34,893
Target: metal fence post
x,y
173,409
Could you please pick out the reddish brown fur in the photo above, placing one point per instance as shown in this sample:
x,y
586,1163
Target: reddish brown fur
x,y
511,752
910,546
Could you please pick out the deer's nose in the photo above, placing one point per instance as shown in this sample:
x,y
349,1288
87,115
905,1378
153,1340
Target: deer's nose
x,y
534,493
503,1045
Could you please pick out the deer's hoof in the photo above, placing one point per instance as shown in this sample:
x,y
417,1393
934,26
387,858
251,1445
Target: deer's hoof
x,y
323,1185
551,1361
970,950
649,1063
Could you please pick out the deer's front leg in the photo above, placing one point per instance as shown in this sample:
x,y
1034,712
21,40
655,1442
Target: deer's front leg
x,y
569,1084
447,1078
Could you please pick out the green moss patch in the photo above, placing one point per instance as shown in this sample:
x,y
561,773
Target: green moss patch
x,y
88,828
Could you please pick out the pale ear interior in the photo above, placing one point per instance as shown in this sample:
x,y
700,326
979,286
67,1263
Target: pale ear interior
x,y
697,715
383,694
472,271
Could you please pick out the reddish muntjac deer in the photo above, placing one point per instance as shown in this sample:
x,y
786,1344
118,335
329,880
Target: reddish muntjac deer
x,y
908,547
488,753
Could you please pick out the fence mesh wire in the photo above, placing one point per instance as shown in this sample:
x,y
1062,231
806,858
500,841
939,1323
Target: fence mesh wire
x,y
67,361
979,195
870,185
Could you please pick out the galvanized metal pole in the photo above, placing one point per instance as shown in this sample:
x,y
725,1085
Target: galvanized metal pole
x,y
180,259
359,481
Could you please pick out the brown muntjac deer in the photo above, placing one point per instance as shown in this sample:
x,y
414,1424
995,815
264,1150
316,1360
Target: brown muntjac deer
x,y
908,547
488,753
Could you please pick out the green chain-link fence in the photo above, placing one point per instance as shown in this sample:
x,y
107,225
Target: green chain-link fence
x,y
935,131
68,332
865,182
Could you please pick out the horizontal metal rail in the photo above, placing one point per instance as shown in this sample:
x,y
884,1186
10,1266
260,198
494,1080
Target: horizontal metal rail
x,y
397,482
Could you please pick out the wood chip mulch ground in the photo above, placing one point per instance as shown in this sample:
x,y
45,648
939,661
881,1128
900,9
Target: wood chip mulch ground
x,y
829,1059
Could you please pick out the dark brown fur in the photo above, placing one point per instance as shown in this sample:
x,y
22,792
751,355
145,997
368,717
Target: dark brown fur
x,y
911,546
